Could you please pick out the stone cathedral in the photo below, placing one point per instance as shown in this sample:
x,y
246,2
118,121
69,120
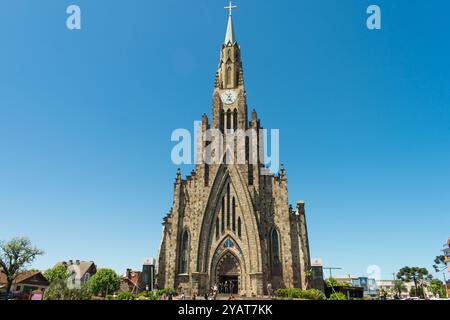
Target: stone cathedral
x,y
230,223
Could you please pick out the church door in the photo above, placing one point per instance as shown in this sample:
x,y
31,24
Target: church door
x,y
228,273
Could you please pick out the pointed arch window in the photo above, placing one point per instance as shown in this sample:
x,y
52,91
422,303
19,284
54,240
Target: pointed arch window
x,y
228,120
222,120
223,215
239,227
228,207
217,228
184,257
229,76
235,118
233,214
275,250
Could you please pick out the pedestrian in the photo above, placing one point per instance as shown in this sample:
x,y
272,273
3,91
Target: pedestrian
x,y
269,289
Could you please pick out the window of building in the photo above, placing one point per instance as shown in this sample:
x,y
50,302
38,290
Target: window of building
x,y
223,215
184,258
228,207
275,250
217,228
233,214
239,228
228,244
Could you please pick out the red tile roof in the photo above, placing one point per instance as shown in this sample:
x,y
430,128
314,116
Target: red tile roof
x,y
21,277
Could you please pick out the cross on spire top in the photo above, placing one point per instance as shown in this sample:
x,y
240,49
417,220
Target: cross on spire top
x,y
231,7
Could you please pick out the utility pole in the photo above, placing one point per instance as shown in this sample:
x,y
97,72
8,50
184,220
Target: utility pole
x,y
445,284
332,268
331,275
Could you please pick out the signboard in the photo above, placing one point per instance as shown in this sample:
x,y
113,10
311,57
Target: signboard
x,y
317,262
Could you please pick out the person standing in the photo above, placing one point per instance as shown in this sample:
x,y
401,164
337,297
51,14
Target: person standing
x,y
269,290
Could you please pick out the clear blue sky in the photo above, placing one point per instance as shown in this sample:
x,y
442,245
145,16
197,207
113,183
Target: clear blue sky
x,y
86,118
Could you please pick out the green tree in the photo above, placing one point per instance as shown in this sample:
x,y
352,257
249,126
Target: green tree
x,y
416,292
57,273
440,263
417,275
399,287
105,281
437,288
15,255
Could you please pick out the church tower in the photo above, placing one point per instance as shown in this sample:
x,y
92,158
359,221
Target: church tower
x,y
230,224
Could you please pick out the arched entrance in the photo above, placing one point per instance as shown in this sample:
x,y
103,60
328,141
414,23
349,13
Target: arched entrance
x,y
228,274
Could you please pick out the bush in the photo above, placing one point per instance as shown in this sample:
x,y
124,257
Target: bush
x,y
293,293
155,295
313,294
290,293
281,293
149,295
58,290
168,291
126,296
331,282
338,296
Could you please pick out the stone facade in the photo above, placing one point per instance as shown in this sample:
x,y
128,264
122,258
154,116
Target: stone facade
x,y
232,222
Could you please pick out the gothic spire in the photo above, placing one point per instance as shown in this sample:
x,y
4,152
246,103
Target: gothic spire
x,y
229,37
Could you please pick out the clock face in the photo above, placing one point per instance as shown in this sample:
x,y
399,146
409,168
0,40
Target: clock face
x,y
229,97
